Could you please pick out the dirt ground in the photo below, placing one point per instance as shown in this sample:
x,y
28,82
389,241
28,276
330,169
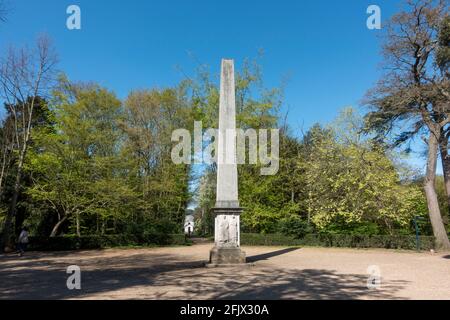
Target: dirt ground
x,y
178,273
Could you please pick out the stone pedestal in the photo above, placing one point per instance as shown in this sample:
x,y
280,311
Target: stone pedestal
x,y
226,256
227,249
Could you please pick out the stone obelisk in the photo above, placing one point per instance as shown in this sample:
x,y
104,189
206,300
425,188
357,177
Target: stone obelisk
x,y
227,212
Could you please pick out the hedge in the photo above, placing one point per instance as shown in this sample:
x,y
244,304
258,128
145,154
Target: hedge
x,y
407,242
249,239
104,241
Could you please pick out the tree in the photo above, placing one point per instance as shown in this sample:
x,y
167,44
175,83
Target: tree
x,y
333,179
351,181
24,76
10,144
443,62
206,200
413,92
7,147
60,179
443,51
257,107
150,118
76,166
273,200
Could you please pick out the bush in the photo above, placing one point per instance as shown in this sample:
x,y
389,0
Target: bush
x,y
104,241
151,229
339,240
273,239
166,226
294,226
361,228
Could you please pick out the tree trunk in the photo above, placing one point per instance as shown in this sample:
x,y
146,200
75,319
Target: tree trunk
x,y
309,209
442,242
56,227
2,174
8,230
445,158
78,224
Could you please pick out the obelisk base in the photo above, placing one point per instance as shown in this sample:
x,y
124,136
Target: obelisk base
x,y
227,251
226,257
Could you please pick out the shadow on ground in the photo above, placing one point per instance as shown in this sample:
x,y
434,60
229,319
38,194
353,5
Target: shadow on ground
x,y
165,276
266,256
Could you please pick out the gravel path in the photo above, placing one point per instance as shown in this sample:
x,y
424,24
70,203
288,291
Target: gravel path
x,y
178,273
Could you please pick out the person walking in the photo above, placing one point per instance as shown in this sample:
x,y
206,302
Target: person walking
x,y
23,241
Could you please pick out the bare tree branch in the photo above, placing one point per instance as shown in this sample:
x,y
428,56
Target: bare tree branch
x,y
25,79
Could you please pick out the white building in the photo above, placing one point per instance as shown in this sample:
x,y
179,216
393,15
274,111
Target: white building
x,y
189,224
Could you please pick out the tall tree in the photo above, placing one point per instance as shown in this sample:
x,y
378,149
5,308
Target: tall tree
x,y
41,119
413,91
150,118
351,181
7,147
443,62
25,75
76,166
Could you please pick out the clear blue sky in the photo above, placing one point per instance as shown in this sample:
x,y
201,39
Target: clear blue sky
x,y
324,47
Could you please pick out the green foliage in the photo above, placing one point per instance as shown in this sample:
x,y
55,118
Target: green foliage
x,y
357,228
142,230
105,241
150,118
351,180
334,180
100,172
75,166
406,242
257,107
294,226
102,167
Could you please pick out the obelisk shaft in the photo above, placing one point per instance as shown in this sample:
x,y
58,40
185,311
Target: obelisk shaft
x,y
227,180
227,212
